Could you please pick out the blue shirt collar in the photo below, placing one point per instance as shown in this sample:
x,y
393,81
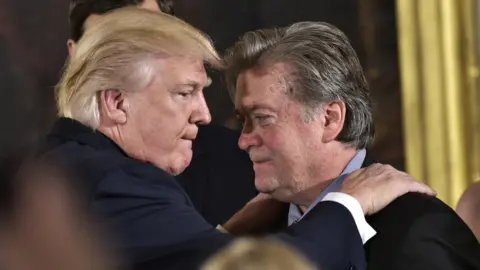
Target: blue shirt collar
x,y
294,214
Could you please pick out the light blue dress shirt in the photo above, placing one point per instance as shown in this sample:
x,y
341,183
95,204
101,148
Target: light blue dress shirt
x,y
295,214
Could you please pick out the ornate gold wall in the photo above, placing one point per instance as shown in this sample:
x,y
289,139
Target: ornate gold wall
x,y
439,74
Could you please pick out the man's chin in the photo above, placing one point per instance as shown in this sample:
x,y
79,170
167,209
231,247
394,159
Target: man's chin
x,y
174,171
264,186
278,194
180,165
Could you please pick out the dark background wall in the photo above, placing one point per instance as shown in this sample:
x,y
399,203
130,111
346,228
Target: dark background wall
x,y
32,52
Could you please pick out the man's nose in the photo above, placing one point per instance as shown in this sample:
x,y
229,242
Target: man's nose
x,y
247,139
201,115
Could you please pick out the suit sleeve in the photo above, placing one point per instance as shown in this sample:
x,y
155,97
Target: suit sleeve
x,y
159,227
154,221
439,241
328,235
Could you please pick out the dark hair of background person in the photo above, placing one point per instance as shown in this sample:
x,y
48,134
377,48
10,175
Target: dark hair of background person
x,y
81,9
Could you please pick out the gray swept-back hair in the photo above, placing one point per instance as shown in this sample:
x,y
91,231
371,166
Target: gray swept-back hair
x,y
325,68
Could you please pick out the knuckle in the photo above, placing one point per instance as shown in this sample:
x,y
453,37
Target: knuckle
x,y
389,169
377,165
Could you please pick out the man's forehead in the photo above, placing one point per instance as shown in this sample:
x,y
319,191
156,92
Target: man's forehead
x,y
185,70
255,87
271,77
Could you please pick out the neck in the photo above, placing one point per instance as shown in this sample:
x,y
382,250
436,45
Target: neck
x,y
116,135
324,173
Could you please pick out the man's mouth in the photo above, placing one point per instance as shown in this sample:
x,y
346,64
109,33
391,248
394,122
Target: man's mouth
x,y
260,161
190,137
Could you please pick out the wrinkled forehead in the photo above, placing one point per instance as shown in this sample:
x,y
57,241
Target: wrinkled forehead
x,y
262,85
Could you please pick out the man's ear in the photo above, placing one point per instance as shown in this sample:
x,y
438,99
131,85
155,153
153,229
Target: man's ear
x,y
334,114
114,107
71,46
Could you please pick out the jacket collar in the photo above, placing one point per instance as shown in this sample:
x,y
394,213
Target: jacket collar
x,y
70,129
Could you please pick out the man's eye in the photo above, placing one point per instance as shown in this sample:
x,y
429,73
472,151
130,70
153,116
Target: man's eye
x,y
185,94
261,117
240,118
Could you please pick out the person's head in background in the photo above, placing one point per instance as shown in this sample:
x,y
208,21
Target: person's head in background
x,y
258,254
84,13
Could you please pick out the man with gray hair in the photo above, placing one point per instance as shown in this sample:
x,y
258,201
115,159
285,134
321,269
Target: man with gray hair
x,y
303,99
130,101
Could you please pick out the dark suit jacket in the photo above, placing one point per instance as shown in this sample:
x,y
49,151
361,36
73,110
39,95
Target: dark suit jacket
x,y
419,232
153,218
220,178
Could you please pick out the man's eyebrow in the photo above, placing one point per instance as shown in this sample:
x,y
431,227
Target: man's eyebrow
x,y
252,107
196,84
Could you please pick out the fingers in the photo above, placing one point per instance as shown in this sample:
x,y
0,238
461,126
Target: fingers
x,y
378,185
378,169
423,188
354,174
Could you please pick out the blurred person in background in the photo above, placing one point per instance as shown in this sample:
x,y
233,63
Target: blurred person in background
x,y
468,208
10,163
219,179
258,254
304,102
84,13
130,101
46,227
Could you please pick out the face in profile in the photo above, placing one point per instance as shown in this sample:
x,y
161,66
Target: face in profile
x,y
162,119
92,19
281,143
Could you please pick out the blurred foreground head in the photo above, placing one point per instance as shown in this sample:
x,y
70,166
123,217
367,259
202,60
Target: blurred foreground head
x,y
137,76
258,254
47,227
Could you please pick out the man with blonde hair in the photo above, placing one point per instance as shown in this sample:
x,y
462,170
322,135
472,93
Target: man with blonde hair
x,y
130,101
216,156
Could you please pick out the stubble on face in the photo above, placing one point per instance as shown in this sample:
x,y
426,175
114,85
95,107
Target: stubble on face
x,y
290,143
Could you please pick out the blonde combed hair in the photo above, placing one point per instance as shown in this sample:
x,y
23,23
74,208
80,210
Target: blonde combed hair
x,y
258,254
117,53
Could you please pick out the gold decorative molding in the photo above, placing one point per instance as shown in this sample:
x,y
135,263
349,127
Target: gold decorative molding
x,y
439,75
